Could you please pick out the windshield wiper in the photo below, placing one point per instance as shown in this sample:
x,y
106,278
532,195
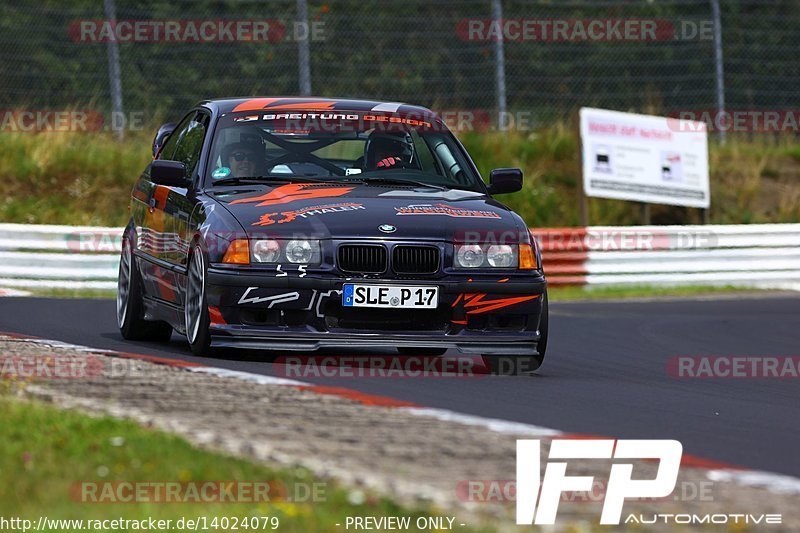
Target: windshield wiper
x,y
396,181
250,180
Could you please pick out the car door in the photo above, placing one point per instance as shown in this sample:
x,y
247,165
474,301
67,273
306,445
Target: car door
x,y
166,232
181,202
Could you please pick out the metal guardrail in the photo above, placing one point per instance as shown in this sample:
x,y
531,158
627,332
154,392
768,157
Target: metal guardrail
x,y
757,255
59,257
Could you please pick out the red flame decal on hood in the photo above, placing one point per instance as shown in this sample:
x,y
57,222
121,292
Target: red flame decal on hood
x,y
294,192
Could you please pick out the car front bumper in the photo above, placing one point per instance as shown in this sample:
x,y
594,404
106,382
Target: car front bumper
x,y
485,315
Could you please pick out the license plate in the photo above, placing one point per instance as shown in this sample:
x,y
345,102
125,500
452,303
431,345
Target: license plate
x,y
390,296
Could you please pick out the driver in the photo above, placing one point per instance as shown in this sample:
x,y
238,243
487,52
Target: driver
x,y
386,151
241,158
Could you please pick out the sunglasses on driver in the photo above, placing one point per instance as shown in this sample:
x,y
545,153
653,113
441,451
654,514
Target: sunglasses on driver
x,y
241,156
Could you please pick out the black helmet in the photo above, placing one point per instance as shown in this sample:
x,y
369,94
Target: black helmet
x,y
395,144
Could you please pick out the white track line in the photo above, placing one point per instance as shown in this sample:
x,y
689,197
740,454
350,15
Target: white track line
x,y
492,424
246,376
757,478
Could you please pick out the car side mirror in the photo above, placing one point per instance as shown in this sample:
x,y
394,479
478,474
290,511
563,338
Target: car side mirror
x,y
505,180
161,136
168,173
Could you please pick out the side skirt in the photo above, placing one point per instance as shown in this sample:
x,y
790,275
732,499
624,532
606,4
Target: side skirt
x,y
155,309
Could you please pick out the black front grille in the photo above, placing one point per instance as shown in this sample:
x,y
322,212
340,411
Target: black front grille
x,y
415,259
362,258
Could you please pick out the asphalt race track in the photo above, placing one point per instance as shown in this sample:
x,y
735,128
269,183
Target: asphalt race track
x,y
605,374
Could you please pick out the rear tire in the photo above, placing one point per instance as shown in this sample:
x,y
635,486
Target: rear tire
x,y
196,306
517,365
130,306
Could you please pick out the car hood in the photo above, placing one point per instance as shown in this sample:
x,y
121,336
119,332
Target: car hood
x,y
356,211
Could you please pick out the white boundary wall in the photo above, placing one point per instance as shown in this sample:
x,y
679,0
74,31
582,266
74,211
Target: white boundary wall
x,y
757,255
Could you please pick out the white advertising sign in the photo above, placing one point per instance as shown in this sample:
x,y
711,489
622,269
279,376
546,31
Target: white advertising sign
x,y
644,158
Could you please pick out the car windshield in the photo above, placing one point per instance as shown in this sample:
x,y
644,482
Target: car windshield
x,y
338,147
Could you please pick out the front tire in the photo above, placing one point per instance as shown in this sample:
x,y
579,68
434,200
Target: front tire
x,y
517,365
130,306
196,306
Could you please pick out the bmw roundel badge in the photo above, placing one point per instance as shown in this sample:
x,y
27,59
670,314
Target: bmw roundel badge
x,y
387,228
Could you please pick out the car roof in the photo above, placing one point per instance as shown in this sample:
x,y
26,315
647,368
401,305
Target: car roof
x,y
311,103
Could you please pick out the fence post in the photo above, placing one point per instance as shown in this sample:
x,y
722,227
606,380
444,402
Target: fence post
x,y
499,63
718,58
114,74
303,50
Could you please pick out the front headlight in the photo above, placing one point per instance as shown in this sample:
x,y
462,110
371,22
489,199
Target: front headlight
x,y
266,251
275,251
302,251
469,256
502,256
486,256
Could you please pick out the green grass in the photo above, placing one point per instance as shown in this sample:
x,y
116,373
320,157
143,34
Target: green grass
x,y
562,294
85,178
69,178
47,452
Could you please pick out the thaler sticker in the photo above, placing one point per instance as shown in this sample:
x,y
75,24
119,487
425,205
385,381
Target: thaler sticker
x,y
288,216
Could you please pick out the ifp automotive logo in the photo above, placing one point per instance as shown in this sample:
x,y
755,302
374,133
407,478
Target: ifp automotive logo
x,y
541,508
